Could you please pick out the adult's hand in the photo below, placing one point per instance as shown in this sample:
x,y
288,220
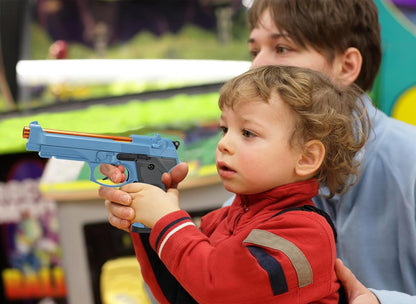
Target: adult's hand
x,y
118,202
356,292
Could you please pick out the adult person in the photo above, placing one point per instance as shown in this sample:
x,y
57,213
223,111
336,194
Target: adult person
x,y
375,219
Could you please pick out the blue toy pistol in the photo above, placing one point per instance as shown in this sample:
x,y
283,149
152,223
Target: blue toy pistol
x,y
145,158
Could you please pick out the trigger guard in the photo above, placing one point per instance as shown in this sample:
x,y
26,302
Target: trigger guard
x,y
111,185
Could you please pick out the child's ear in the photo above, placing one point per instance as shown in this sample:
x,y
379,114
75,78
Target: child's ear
x,y
349,66
310,159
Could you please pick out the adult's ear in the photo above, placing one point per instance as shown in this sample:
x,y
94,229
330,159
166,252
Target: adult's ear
x,y
310,159
348,66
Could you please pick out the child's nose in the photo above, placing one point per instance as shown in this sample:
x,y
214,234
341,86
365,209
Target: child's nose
x,y
224,144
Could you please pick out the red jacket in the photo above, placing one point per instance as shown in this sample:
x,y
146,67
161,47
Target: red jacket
x,y
243,253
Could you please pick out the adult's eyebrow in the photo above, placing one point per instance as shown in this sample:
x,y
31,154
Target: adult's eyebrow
x,y
273,36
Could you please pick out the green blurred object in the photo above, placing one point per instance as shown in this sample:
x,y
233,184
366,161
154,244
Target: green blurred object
x,y
397,72
178,112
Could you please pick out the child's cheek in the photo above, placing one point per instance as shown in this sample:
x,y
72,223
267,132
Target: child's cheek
x,y
247,160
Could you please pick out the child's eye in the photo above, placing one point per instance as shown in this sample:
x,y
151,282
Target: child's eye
x,y
247,133
223,130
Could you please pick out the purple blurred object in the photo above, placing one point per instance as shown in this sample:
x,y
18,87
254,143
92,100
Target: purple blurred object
x,y
411,3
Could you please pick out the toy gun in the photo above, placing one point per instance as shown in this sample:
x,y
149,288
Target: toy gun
x,y
145,158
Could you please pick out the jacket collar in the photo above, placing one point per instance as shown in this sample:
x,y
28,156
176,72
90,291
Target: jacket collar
x,y
278,198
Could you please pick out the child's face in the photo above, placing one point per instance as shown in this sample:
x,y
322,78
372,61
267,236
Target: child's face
x,y
270,46
254,155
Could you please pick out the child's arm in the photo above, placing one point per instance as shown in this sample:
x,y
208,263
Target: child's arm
x,y
164,286
228,268
150,203
233,271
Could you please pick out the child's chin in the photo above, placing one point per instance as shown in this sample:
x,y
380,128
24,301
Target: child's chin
x,y
237,189
230,187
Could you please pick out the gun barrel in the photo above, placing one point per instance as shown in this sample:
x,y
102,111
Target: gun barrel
x,y
26,133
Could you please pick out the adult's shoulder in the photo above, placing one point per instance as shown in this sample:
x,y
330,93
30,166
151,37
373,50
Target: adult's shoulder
x,y
389,133
391,147
396,134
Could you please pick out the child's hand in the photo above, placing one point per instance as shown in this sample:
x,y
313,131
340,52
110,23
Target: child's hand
x,y
120,213
151,203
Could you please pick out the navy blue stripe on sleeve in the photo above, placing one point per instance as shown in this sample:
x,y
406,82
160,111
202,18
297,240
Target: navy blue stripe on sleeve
x,y
170,287
162,233
272,267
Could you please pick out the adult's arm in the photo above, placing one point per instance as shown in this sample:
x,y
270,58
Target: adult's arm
x,y
390,296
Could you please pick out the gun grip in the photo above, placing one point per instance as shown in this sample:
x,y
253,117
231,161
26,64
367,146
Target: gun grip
x,y
149,168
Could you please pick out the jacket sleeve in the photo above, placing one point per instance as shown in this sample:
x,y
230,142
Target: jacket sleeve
x,y
164,287
240,269
389,296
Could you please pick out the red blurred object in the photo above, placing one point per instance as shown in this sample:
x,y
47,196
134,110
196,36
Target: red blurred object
x,y
58,50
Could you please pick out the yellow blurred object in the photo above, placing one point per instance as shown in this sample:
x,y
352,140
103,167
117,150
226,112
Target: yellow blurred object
x,y
405,107
122,283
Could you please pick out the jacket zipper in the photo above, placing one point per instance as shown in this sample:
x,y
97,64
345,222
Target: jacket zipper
x,y
244,209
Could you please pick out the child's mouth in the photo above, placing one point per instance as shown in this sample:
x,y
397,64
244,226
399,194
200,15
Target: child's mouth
x,y
224,170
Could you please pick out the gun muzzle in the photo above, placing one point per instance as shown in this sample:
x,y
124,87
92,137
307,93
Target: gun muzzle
x,y
26,132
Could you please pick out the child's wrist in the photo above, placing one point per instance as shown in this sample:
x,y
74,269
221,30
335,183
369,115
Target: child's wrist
x,y
164,212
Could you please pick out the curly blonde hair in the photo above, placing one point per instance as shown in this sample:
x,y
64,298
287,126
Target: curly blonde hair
x,y
333,115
